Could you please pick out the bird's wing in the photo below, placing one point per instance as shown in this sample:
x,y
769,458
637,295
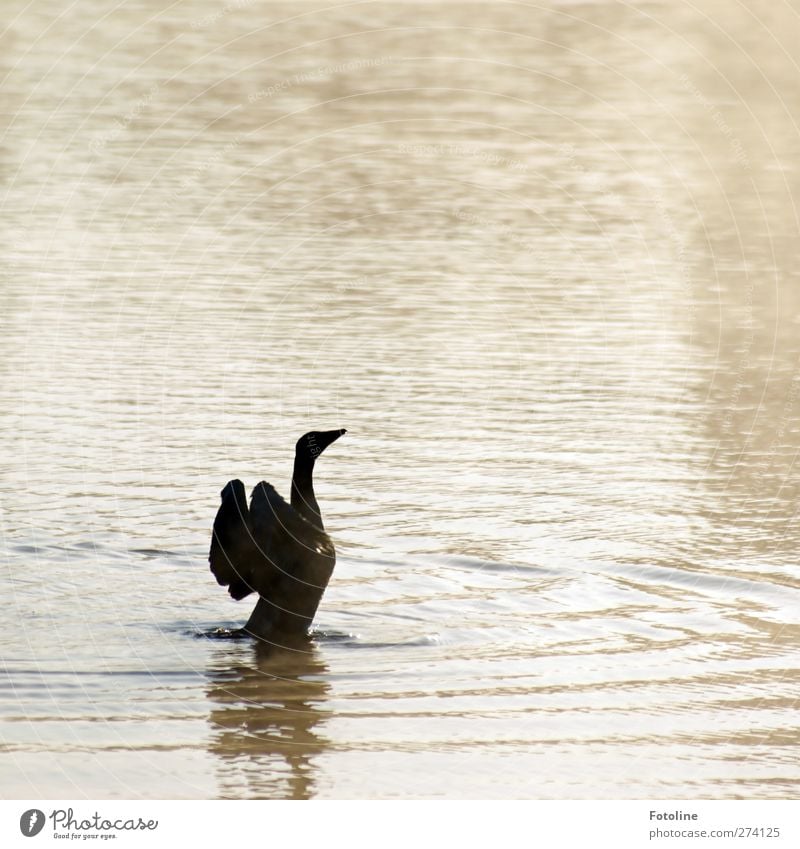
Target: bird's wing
x,y
234,554
287,540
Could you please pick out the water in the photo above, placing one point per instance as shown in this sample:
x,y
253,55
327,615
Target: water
x,y
540,261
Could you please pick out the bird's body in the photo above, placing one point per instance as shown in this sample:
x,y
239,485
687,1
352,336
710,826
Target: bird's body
x,y
279,550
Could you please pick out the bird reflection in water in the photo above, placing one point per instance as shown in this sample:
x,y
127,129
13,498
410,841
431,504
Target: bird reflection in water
x,y
266,717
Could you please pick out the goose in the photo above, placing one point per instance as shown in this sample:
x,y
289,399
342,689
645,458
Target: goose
x,y
278,550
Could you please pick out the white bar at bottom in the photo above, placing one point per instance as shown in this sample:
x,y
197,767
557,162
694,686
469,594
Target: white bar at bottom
x,y
357,824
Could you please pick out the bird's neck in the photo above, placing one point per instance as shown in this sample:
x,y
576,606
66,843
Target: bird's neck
x,y
303,498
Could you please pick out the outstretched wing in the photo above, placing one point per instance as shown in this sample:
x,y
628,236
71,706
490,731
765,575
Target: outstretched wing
x,y
234,554
289,543
298,562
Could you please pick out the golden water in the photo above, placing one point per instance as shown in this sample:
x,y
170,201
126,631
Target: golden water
x,y
540,260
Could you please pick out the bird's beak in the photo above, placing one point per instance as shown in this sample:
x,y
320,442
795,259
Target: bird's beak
x,y
330,436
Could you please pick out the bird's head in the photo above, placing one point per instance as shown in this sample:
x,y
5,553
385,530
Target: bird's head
x,y
310,446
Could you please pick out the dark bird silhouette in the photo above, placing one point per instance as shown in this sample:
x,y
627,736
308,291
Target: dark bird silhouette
x,y
279,550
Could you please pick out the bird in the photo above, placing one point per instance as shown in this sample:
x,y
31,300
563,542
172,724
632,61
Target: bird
x,y
278,550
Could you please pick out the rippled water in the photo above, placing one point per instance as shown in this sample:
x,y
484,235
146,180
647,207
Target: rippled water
x,y
539,260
